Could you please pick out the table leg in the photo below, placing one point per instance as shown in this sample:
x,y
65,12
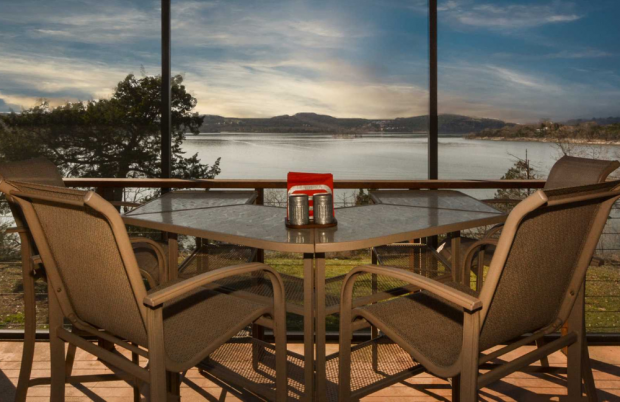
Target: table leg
x,y
201,263
575,351
321,378
457,265
374,331
173,256
258,332
309,327
430,264
30,327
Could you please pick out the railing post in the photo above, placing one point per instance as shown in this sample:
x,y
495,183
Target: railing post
x,y
433,117
258,332
166,94
260,200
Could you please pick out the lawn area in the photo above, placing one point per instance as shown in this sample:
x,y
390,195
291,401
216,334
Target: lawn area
x,y
335,264
602,291
12,300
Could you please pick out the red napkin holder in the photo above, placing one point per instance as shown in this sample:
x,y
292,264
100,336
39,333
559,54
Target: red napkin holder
x,y
309,183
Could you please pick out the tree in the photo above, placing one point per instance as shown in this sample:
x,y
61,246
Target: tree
x,y
116,137
521,170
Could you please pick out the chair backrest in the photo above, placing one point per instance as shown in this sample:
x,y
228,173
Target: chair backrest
x,y
38,171
88,258
570,171
540,261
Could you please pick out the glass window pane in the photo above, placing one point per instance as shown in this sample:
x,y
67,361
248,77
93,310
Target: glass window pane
x,y
307,86
527,62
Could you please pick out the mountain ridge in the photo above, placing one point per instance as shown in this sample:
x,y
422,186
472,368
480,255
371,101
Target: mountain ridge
x,y
317,123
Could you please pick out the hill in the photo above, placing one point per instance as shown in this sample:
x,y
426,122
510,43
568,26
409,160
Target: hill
x,y
586,133
316,123
601,121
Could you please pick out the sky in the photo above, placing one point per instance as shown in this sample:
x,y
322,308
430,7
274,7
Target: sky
x,y
515,60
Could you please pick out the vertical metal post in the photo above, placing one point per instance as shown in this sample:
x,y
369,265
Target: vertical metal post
x,y
433,119
166,128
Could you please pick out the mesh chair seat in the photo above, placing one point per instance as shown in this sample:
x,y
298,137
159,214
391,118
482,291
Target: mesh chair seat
x,y
196,321
432,325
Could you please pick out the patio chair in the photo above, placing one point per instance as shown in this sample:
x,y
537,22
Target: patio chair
x,y
535,284
568,171
95,282
43,171
150,256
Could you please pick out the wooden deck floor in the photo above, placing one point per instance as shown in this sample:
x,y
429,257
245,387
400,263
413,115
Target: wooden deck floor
x,y
424,387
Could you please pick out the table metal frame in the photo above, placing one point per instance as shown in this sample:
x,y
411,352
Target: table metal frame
x,y
314,267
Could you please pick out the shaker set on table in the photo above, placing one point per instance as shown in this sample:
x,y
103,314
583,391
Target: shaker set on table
x,y
299,209
310,200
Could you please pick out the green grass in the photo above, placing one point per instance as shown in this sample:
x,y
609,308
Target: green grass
x,y
602,291
292,264
602,298
333,267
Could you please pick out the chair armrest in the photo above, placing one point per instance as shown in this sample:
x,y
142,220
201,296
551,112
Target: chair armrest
x,y
455,296
471,251
494,230
16,229
168,293
160,253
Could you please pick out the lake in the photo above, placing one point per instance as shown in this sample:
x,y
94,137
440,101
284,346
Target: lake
x,y
369,156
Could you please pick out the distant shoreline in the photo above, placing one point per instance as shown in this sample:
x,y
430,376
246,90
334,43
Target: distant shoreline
x,y
417,133
551,140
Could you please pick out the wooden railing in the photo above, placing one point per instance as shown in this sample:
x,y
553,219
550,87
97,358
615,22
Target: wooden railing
x,y
106,186
338,184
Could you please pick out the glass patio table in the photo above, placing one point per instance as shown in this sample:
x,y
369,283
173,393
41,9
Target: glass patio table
x,y
396,216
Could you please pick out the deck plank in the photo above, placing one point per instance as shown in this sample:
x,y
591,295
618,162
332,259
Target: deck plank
x,y
424,387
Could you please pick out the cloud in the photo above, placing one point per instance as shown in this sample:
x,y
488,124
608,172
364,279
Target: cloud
x,y
584,54
280,57
25,78
564,54
563,18
261,89
448,5
520,80
6,106
270,58
88,21
500,16
523,96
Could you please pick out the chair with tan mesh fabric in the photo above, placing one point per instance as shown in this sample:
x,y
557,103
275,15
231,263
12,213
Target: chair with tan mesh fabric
x,y
568,171
150,256
94,281
534,285
43,171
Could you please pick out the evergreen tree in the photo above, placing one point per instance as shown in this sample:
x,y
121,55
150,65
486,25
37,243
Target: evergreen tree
x,y
117,137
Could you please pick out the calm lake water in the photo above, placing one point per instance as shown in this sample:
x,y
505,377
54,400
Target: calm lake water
x,y
369,156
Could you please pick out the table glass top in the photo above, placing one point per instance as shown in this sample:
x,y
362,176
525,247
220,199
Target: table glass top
x,y
240,224
182,200
358,227
442,199
372,225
